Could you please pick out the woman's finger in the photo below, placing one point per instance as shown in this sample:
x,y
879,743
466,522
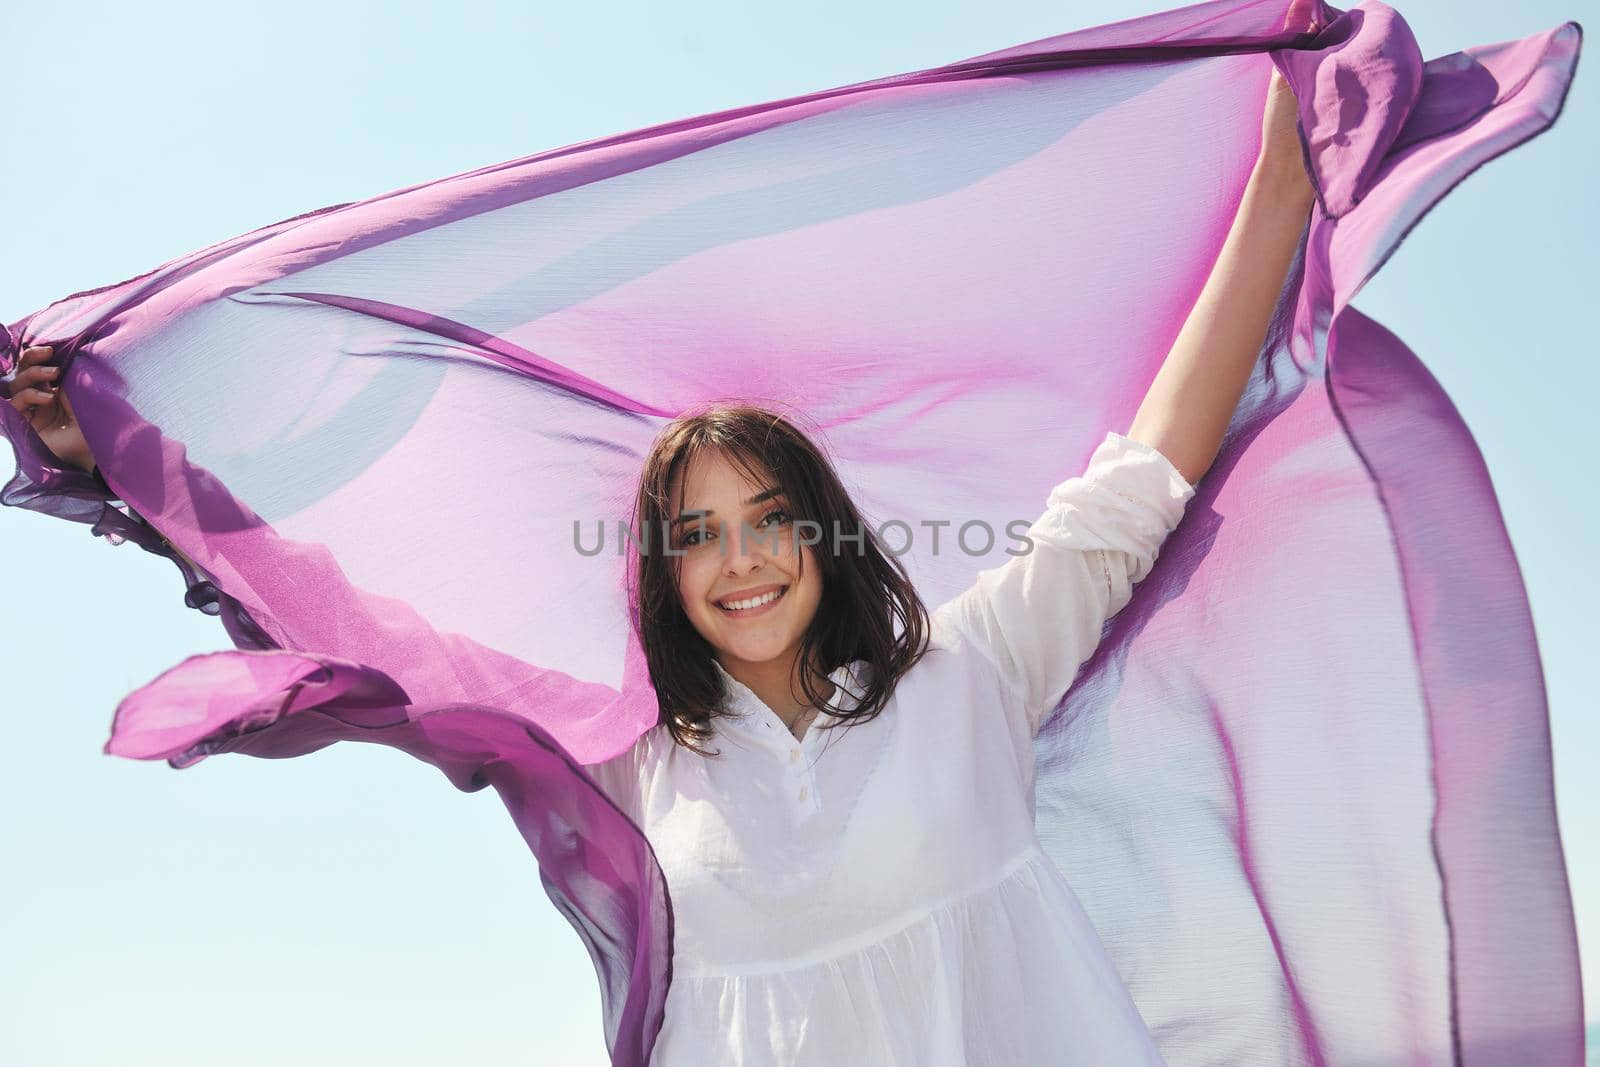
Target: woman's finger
x,y
36,397
35,354
35,377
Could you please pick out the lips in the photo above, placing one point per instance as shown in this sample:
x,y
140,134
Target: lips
x,y
751,594
753,591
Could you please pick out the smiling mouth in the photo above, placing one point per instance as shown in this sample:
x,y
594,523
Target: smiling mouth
x,y
762,603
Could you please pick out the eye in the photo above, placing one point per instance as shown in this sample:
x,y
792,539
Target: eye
x,y
693,537
775,511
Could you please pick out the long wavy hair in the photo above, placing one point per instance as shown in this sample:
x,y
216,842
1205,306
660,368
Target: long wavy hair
x,y
869,609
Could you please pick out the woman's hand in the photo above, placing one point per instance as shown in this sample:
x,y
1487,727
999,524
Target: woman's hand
x,y
36,392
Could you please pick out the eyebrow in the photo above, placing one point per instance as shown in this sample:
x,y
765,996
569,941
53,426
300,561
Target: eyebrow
x,y
764,495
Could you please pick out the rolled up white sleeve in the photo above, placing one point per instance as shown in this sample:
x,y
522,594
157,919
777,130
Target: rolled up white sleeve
x,y
1038,617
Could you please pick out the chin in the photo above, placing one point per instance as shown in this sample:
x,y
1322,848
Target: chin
x,y
763,654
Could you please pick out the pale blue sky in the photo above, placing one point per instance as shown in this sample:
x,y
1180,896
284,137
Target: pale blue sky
x,y
349,906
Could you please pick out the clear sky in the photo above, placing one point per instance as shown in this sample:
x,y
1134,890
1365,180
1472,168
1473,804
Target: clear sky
x,y
350,906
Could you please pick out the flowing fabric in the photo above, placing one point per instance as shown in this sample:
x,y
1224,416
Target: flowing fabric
x,y
1304,785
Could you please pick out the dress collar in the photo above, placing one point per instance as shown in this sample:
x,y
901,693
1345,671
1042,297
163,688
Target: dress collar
x,y
751,717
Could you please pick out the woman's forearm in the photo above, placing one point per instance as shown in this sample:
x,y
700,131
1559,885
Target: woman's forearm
x,y
1193,397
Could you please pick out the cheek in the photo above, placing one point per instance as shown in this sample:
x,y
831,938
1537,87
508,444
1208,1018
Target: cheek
x,y
694,582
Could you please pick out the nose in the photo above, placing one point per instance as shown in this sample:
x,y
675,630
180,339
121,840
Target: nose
x,y
746,553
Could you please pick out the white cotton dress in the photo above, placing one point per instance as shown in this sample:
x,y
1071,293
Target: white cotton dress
x,y
876,894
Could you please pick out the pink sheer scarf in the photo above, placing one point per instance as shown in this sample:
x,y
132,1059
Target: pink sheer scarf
x,y
1304,785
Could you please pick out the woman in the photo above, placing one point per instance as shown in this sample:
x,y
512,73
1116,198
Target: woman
x,y
840,790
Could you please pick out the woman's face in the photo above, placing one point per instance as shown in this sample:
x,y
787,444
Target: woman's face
x,y
739,544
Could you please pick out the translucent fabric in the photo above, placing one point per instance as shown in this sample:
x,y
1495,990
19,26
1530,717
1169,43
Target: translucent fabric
x,y
1302,788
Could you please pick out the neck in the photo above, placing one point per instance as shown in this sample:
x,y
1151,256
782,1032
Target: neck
x,y
777,683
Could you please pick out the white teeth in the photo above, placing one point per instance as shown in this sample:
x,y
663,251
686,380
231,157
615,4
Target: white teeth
x,y
755,602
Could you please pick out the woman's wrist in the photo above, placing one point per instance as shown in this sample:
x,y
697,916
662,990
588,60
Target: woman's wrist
x,y
1283,179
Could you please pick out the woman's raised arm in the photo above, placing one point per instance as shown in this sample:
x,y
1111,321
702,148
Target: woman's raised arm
x,y
1039,616
1193,397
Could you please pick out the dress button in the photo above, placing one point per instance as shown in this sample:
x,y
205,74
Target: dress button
x,y
805,791
794,754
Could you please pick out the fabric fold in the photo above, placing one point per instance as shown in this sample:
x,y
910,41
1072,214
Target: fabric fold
x,y
594,865
1302,786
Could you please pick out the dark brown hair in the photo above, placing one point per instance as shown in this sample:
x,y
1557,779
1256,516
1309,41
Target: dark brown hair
x,y
865,591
